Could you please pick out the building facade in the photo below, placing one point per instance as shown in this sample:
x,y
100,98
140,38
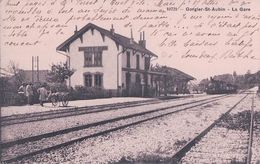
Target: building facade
x,y
103,58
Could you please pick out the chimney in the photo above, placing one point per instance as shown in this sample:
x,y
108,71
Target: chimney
x,y
142,41
112,30
131,39
76,29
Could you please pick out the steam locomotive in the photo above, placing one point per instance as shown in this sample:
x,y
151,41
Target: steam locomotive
x,y
220,87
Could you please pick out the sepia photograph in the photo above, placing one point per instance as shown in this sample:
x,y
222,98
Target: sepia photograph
x,y
130,81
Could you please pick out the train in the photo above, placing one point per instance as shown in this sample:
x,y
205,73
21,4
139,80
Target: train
x,y
220,87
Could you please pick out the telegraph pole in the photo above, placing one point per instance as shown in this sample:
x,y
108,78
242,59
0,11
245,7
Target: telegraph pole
x,y
35,65
37,57
32,69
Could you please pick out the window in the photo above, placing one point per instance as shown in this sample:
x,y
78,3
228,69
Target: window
x,y
89,62
151,80
98,80
128,80
93,55
137,62
128,59
98,59
88,59
88,80
138,79
146,63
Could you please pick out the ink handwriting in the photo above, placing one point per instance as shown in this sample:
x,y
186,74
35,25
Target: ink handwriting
x,y
201,29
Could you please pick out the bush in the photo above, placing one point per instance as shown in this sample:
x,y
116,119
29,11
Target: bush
x,y
135,90
58,87
12,98
150,92
82,93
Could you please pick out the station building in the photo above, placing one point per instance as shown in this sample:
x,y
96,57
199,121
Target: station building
x,y
103,58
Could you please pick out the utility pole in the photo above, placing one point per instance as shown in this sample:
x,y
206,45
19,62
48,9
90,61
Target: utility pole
x,y
37,57
32,69
35,66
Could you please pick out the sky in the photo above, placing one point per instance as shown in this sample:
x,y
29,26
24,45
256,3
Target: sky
x,y
170,56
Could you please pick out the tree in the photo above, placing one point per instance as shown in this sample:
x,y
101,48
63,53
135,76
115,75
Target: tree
x,y
250,79
258,77
228,78
203,84
3,87
18,74
59,73
234,77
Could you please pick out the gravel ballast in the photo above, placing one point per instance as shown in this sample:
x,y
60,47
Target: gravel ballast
x,y
18,131
256,134
51,141
227,142
155,140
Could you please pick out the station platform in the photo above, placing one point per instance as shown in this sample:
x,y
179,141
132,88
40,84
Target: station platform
x,y
16,110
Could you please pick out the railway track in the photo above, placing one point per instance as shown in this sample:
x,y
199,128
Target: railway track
x,y
206,147
255,150
47,115
15,150
251,130
40,116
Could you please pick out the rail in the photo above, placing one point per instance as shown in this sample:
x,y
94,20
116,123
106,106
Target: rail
x,y
251,129
181,153
30,139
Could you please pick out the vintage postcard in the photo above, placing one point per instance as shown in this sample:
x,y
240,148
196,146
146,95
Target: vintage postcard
x,y
130,81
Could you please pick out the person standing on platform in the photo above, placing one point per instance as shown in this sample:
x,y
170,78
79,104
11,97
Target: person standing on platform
x,y
43,93
22,93
29,93
21,89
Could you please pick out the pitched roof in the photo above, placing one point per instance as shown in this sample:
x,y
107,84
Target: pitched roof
x,y
179,74
119,39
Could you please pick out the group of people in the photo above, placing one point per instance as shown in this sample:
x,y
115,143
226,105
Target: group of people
x,y
27,91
